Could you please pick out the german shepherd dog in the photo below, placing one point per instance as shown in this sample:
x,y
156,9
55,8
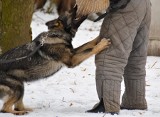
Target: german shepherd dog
x,y
18,66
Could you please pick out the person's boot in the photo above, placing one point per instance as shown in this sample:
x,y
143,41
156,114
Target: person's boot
x,y
109,95
99,108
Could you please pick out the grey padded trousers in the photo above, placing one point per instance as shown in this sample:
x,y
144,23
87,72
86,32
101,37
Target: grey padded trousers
x,y
128,30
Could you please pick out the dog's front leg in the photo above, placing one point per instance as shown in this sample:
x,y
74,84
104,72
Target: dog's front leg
x,y
88,45
77,58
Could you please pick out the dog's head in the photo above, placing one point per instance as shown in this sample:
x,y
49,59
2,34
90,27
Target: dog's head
x,y
67,22
63,22
56,24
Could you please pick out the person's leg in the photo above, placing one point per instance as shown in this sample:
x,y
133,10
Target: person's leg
x,y
121,27
134,74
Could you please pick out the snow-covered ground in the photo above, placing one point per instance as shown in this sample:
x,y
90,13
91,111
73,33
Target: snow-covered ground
x,y
70,92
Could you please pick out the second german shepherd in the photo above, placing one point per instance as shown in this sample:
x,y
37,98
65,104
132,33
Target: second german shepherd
x,y
56,51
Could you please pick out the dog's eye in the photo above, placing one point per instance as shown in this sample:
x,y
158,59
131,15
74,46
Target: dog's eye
x,y
57,24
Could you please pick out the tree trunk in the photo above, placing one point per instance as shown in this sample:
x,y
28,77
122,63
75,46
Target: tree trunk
x,y
15,19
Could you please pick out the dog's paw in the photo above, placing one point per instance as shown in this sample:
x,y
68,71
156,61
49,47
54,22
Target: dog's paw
x,y
15,112
24,109
20,112
103,44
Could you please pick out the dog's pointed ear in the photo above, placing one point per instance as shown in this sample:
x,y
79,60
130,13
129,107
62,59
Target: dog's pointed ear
x,y
74,12
76,22
70,15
